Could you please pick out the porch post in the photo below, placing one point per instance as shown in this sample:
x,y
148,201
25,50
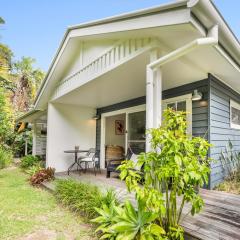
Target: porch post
x,y
26,147
153,98
157,98
34,138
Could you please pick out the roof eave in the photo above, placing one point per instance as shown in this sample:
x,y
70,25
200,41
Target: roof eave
x,y
212,17
162,7
28,114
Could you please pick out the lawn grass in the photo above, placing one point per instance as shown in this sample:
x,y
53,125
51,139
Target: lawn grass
x,y
25,210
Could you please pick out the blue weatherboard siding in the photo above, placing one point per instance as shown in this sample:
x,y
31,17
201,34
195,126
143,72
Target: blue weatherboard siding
x,y
211,118
219,121
199,112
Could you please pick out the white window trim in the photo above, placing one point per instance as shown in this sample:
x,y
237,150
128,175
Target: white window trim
x,y
188,99
237,106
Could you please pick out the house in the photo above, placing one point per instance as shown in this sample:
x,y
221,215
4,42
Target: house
x,y
126,69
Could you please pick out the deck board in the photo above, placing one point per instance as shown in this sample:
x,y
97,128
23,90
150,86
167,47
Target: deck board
x,y
219,220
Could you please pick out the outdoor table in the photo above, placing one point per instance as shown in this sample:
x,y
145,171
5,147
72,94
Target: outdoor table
x,y
75,152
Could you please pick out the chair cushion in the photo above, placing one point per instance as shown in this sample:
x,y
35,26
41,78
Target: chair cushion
x,y
134,159
89,159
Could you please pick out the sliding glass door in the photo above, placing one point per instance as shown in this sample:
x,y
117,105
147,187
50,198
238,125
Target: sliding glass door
x,y
136,128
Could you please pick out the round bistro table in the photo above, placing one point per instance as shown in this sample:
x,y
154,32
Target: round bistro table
x,y
75,152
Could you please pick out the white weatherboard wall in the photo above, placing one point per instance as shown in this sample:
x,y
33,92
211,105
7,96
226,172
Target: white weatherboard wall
x,y
68,126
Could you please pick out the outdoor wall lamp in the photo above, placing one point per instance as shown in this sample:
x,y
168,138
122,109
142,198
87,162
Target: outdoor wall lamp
x,y
196,95
96,117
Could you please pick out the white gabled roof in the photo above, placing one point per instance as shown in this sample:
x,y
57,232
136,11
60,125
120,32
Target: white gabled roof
x,y
204,12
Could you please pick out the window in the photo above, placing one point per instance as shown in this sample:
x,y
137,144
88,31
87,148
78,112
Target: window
x,y
181,103
234,114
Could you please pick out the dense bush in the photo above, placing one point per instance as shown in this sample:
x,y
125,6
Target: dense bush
x,y
6,157
82,198
34,169
42,175
177,165
29,161
18,142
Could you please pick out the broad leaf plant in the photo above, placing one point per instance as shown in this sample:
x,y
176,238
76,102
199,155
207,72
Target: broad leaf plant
x,y
171,175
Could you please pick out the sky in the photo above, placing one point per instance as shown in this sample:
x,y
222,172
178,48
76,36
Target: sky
x,y
35,28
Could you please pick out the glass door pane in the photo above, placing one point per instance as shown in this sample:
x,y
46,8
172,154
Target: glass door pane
x,y
136,131
181,106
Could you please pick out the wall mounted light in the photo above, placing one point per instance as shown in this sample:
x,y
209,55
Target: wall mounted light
x,y
196,95
96,117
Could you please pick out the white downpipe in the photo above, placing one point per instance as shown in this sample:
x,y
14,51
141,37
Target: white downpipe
x,y
210,40
182,51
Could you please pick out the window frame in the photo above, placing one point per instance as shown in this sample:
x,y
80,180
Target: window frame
x,y
188,99
237,106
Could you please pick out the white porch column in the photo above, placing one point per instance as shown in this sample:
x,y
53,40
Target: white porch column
x,y
153,98
34,138
26,147
157,85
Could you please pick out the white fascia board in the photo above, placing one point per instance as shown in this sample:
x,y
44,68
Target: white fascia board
x,y
51,70
174,17
30,116
134,14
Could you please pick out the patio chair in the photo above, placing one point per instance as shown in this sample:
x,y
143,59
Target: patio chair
x,y
91,158
112,165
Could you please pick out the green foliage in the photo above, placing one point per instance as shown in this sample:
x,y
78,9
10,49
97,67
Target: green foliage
x,y
80,197
173,170
27,83
83,198
19,82
231,162
2,20
109,198
44,174
6,118
125,222
29,161
34,169
18,142
5,157
231,186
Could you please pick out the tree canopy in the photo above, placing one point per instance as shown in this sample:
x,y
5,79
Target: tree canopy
x,y
19,83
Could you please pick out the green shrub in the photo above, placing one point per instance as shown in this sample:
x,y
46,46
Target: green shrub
x,y
81,197
110,198
34,169
178,170
29,161
6,157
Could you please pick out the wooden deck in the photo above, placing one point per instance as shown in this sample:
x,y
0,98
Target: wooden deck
x,y
220,218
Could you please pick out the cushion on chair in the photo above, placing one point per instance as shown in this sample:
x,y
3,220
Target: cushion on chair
x,y
89,159
134,159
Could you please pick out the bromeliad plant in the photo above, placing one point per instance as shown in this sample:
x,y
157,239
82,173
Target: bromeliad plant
x,y
173,171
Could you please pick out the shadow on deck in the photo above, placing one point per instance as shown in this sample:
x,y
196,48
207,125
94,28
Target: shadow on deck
x,y
220,218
